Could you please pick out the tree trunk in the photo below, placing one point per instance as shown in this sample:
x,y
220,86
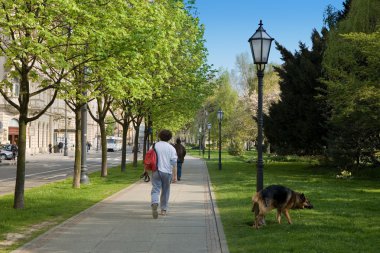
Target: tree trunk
x,y
136,146
146,140
148,136
78,149
103,141
124,146
18,202
20,174
151,136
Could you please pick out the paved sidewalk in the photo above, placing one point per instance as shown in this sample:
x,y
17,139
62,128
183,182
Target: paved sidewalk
x,y
124,223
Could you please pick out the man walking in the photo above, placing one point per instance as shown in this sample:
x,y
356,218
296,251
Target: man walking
x,y
161,178
181,153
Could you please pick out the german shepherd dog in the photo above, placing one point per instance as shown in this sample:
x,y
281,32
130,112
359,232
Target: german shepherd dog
x,y
280,198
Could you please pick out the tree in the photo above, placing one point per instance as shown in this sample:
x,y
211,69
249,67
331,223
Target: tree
x,y
143,51
352,78
97,40
223,97
333,16
35,41
103,106
297,123
249,84
168,64
188,83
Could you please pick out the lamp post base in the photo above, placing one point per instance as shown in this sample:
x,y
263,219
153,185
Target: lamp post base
x,y
84,179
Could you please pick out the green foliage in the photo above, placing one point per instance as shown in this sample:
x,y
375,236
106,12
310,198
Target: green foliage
x,y
165,71
332,16
240,128
351,63
226,98
110,126
236,147
238,124
296,124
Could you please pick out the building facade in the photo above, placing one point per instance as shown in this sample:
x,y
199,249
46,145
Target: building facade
x,y
50,128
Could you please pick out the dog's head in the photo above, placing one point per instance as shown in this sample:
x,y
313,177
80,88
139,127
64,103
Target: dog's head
x,y
304,202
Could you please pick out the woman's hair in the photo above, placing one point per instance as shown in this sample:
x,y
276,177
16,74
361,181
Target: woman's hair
x,y
165,135
178,141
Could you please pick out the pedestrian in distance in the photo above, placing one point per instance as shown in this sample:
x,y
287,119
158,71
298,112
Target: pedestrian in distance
x,y
50,148
174,174
161,178
60,146
14,150
181,153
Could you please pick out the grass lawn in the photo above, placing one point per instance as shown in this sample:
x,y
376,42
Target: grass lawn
x,y
51,204
345,217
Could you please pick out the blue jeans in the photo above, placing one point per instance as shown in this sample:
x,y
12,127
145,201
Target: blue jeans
x,y
179,170
161,183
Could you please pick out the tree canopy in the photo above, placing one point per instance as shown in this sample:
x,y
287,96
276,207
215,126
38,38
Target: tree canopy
x,y
146,53
352,77
296,123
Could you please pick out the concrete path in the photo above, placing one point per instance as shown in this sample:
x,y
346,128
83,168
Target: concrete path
x,y
124,223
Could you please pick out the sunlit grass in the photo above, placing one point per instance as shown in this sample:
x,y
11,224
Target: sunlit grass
x,y
345,218
56,202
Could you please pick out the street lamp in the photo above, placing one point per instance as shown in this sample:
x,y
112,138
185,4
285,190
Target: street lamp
x,y
209,144
260,43
200,136
84,179
97,132
65,149
220,117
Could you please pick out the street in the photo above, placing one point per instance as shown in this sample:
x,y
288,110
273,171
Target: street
x,y
45,168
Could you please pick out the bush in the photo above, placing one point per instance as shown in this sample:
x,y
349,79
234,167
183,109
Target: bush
x,y
236,148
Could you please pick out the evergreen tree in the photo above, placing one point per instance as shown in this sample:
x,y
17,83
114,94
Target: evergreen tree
x,y
296,124
352,77
333,16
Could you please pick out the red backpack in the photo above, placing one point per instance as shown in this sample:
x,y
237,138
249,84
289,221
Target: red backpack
x,y
150,161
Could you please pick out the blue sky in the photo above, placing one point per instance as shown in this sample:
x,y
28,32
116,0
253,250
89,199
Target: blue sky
x,y
230,23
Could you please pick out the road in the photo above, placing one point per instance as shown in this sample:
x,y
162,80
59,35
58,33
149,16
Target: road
x,y
45,168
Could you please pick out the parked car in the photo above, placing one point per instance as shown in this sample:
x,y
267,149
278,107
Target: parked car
x,y
7,151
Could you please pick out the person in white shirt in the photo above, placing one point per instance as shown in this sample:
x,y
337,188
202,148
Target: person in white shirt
x,y
161,178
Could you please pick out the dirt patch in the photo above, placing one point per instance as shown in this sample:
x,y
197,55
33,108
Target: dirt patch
x,y
13,238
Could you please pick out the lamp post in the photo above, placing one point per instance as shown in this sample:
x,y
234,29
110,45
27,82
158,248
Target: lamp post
x,y
84,179
260,43
200,136
97,132
209,144
65,149
220,117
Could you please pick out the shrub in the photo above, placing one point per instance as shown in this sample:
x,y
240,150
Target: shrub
x,y
236,148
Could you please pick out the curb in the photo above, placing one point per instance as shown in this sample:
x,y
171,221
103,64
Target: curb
x,y
218,221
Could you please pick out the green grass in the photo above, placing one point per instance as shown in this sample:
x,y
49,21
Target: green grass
x,y
345,217
51,204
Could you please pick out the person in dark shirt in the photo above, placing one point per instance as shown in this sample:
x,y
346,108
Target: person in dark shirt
x,y
181,153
